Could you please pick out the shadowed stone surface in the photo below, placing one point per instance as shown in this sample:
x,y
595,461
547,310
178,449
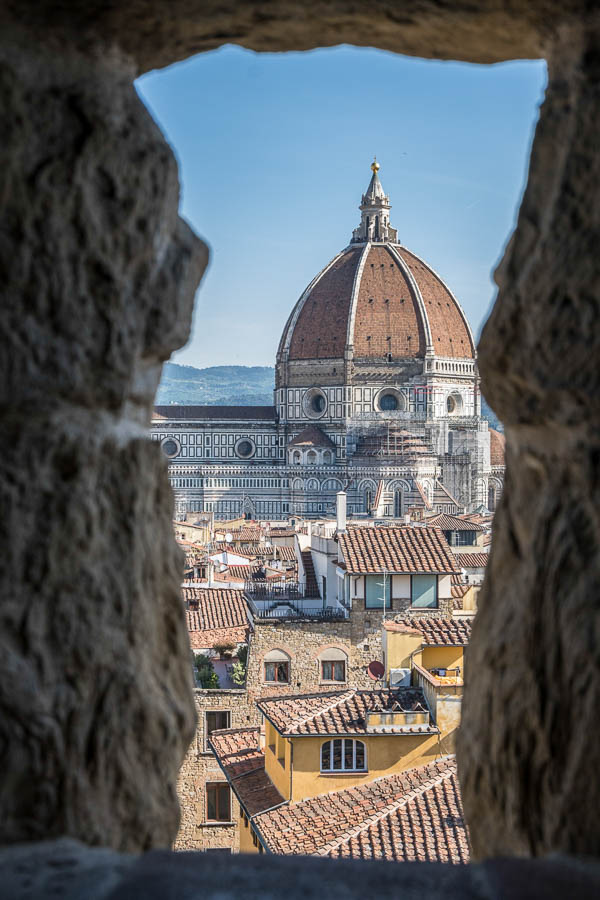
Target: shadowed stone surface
x,y
98,275
528,761
71,871
484,32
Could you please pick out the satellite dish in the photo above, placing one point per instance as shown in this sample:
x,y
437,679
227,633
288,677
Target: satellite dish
x,y
222,567
229,537
376,670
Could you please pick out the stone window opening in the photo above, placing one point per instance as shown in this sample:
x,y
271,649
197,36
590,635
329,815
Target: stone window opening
x,y
218,802
333,666
276,667
215,720
554,179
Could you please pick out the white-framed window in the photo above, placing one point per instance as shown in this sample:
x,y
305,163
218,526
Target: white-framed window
x,y
343,755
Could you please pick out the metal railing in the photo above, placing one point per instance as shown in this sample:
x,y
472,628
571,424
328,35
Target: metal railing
x,y
266,590
291,608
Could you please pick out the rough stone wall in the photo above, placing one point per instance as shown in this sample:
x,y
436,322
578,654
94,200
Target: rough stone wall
x,y
200,767
528,759
98,275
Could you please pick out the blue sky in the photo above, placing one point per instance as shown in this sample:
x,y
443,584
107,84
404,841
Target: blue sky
x,y
274,152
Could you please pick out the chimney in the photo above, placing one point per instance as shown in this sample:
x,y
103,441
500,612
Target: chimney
x,y
340,508
407,519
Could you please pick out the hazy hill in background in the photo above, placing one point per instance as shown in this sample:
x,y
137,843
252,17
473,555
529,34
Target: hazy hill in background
x,y
233,386
216,386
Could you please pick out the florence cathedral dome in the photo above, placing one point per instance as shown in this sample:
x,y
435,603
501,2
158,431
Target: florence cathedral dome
x,y
376,301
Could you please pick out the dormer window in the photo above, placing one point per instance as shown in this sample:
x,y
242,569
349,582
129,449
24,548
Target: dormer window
x,y
343,755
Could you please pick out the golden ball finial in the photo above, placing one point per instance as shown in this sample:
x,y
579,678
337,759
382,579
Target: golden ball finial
x,y
375,165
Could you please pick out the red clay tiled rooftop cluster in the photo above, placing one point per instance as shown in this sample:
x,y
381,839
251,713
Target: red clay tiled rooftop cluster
x,y
407,549
412,815
340,712
437,632
473,560
454,523
243,763
215,616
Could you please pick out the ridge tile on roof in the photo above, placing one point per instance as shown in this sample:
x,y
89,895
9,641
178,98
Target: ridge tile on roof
x,y
440,631
411,815
243,762
405,549
341,712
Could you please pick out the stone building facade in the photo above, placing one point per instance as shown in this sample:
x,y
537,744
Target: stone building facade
x,y
354,639
306,642
376,393
199,769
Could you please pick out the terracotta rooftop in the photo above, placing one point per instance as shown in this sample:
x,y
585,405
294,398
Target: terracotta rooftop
x,y
440,632
454,523
248,533
458,587
377,290
312,437
243,763
286,553
242,573
215,616
281,532
472,560
341,712
409,816
230,413
405,549
497,448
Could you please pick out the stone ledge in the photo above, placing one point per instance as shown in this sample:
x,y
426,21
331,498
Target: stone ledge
x,y
70,870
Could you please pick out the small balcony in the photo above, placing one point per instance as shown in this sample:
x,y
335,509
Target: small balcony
x,y
288,601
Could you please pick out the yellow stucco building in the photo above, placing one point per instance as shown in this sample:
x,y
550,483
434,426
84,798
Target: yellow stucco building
x,y
312,745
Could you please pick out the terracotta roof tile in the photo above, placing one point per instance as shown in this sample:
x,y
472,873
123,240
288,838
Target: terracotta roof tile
x,y
341,712
286,553
450,333
458,587
387,318
454,523
440,632
321,327
312,437
408,816
215,616
497,448
243,763
472,560
406,549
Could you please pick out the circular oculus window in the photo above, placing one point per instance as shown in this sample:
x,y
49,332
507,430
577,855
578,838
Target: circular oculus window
x,y
314,403
389,401
170,447
454,404
245,448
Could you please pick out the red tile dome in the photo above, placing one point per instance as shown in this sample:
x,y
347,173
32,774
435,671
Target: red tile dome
x,y
497,447
377,299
